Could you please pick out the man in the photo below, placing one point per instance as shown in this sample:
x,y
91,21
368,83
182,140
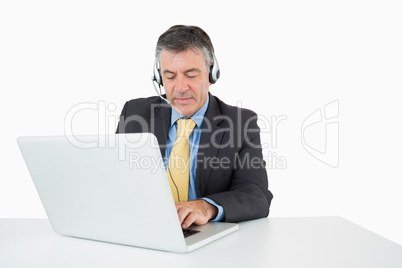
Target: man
x,y
225,179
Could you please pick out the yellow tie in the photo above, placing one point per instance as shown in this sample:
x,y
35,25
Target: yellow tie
x,y
178,171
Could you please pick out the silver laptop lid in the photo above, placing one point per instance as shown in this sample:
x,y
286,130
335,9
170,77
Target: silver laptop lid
x,y
110,188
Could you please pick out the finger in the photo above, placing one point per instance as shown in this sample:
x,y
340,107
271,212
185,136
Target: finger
x,y
183,212
190,219
179,205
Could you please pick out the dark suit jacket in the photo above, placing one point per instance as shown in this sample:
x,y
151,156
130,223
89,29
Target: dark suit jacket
x,y
230,166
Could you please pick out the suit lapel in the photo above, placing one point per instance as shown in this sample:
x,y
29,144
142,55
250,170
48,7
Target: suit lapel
x,y
161,124
207,150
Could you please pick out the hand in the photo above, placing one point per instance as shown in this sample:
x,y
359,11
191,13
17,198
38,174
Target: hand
x,y
196,211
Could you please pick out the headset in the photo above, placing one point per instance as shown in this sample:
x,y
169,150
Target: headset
x,y
214,74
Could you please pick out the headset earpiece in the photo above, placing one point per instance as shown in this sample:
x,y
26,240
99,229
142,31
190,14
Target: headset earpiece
x,y
157,73
214,71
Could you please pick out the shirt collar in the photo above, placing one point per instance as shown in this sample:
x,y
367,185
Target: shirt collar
x,y
197,117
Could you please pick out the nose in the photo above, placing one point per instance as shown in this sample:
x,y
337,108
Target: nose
x,y
181,84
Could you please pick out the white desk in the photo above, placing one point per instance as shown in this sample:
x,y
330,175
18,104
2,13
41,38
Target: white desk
x,y
274,242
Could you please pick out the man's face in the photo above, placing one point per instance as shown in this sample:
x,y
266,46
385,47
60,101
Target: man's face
x,y
186,80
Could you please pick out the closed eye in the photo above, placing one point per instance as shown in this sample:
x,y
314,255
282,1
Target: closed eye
x,y
169,74
192,73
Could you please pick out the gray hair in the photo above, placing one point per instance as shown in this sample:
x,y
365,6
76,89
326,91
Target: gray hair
x,y
180,38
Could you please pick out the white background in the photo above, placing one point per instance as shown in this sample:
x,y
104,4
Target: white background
x,y
283,58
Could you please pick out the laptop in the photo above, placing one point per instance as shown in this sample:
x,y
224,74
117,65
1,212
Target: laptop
x,y
111,188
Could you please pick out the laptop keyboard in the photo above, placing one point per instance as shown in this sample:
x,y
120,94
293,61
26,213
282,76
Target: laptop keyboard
x,y
188,233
